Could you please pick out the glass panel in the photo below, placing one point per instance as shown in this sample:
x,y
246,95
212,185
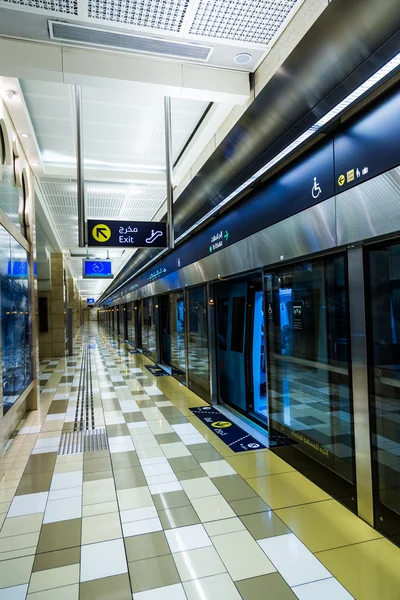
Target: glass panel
x,y
177,331
149,327
15,319
258,358
384,282
130,323
308,361
199,376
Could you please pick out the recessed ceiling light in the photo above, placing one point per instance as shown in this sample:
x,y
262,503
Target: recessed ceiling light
x,y
24,135
10,94
243,59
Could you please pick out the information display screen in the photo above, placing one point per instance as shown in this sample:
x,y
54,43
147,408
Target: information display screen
x,y
97,269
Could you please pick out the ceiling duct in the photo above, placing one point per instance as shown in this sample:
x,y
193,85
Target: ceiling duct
x,y
126,42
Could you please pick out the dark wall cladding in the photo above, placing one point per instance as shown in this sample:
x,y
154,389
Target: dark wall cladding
x,y
365,147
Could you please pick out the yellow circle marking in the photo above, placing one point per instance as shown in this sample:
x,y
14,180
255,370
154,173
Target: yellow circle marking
x,y
341,180
101,232
221,424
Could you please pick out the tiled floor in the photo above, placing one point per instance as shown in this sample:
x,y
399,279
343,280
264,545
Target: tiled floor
x,y
168,512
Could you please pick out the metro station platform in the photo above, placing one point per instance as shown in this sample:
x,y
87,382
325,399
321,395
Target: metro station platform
x,y
166,511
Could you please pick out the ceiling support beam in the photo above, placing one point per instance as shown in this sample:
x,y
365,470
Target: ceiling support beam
x,y
80,175
101,68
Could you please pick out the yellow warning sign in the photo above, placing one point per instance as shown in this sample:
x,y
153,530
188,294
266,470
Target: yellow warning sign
x,y
221,424
341,180
101,233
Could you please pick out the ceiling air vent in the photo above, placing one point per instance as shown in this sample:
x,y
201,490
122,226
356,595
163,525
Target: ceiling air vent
x,y
125,42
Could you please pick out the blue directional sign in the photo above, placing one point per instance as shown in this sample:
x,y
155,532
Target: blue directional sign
x,y
97,269
90,300
19,269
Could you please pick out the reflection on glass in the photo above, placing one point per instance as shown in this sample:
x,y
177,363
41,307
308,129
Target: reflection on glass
x,y
9,195
15,319
149,328
198,367
308,361
173,333
130,322
384,282
258,358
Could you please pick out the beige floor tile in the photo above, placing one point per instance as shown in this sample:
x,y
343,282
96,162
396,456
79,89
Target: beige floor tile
x,y
15,571
326,525
99,509
287,489
134,498
212,508
175,450
70,592
54,578
256,464
149,452
242,555
217,587
369,571
199,488
102,490
202,562
16,542
21,525
100,529
68,467
224,526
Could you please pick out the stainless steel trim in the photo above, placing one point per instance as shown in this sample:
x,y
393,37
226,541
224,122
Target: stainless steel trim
x,y
360,385
80,167
168,169
186,321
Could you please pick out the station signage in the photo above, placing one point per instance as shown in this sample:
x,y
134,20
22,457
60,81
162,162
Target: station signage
x,y
90,301
97,269
127,234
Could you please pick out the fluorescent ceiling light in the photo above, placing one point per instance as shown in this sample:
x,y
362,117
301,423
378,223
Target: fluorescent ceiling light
x,y
332,114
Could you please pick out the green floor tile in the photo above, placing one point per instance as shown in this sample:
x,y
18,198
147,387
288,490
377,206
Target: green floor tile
x,y
266,586
61,535
153,573
97,475
34,483
39,463
97,464
233,487
265,524
249,506
149,545
129,478
58,558
184,463
116,430
109,588
167,438
124,460
206,454
178,517
170,500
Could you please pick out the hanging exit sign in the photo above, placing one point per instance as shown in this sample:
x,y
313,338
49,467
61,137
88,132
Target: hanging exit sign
x,y
128,234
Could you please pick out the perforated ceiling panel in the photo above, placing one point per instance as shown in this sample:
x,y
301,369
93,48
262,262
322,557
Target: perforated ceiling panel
x,y
102,202
255,21
165,15
66,7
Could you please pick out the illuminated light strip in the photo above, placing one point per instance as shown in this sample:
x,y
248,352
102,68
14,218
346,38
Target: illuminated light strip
x,y
332,114
383,72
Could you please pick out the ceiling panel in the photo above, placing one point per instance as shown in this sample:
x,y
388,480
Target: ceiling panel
x,y
165,15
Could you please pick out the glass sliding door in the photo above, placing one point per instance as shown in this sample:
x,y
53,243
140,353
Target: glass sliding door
x,y
130,323
149,332
173,352
309,371
383,281
198,367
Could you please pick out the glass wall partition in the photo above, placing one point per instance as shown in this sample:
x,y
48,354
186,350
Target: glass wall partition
x,y
308,370
383,280
130,323
173,351
149,331
15,319
198,367
121,320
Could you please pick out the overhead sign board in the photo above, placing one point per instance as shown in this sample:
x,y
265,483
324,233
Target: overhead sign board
x,y
97,269
127,234
90,300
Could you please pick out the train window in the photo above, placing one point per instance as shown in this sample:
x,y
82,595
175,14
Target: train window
x,y
238,324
